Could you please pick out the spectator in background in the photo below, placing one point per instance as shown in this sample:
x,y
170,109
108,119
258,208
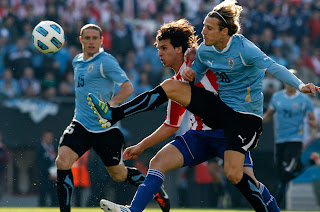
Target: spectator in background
x,y
314,25
133,75
4,33
51,12
4,159
290,49
267,41
32,16
66,87
19,57
47,171
9,86
298,27
139,37
151,55
153,76
122,40
277,55
49,80
81,177
61,59
50,93
215,168
29,85
107,41
10,23
313,62
144,84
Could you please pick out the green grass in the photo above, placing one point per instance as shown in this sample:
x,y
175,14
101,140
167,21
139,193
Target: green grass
x,y
99,210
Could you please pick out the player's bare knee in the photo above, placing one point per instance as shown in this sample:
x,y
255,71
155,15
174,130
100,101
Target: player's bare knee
x,y
156,163
169,86
63,163
118,177
233,175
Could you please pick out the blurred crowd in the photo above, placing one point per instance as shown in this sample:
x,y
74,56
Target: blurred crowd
x,y
286,30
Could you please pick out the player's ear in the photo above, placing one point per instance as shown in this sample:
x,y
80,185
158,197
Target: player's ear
x,y
179,49
101,40
80,39
225,30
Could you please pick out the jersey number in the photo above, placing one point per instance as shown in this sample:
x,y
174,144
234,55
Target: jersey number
x,y
80,80
223,76
287,113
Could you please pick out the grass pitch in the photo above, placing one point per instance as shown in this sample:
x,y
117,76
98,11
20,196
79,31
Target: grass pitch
x,y
99,210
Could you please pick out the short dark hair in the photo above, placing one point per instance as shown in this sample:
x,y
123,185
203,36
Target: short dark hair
x,y
91,26
180,33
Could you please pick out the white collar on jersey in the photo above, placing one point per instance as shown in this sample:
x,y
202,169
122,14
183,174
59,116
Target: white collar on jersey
x,y
226,48
292,96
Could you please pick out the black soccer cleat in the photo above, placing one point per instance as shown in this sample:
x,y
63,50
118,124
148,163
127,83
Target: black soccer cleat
x,y
163,200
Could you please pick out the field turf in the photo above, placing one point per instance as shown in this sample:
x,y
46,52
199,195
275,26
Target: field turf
x,y
99,210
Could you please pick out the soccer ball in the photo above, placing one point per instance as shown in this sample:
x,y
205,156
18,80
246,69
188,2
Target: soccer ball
x,y
48,37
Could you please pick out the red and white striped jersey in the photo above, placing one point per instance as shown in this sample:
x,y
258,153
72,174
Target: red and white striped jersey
x,y
175,111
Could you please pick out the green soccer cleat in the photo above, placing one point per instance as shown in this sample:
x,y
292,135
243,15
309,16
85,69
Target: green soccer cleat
x,y
108,206
101,109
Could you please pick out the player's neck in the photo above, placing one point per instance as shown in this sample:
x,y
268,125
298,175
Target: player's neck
x,y
223,43
177,65
291,92
86,56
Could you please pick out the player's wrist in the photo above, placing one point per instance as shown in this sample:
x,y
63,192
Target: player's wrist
x,y
301,86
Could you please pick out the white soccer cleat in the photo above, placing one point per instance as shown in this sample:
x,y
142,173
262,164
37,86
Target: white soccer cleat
x,y
108,206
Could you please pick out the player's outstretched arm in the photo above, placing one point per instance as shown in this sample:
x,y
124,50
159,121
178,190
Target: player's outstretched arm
x,y
162,133
310,88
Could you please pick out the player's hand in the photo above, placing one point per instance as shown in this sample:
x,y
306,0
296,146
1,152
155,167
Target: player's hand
x,y
188,74
313,123
310,88
132,152
190,55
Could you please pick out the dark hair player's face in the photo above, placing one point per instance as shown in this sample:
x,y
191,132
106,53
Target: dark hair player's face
x,y
168,54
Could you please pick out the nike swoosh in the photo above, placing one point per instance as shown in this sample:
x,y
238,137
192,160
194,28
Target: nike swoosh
x,y
165,194
246,147
288,168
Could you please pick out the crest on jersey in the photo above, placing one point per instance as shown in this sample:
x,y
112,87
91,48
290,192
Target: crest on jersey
x,y
231,62
90,69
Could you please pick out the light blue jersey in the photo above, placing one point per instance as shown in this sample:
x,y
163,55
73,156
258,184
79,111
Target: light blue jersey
x,y
240,68
289,114
97,75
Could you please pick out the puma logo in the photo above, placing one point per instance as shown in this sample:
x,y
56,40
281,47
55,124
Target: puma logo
x,y
242,139
210,62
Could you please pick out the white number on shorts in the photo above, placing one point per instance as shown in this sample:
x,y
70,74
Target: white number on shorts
x,y
69,129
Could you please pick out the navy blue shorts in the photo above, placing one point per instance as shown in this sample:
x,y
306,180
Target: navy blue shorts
x,y
198,146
